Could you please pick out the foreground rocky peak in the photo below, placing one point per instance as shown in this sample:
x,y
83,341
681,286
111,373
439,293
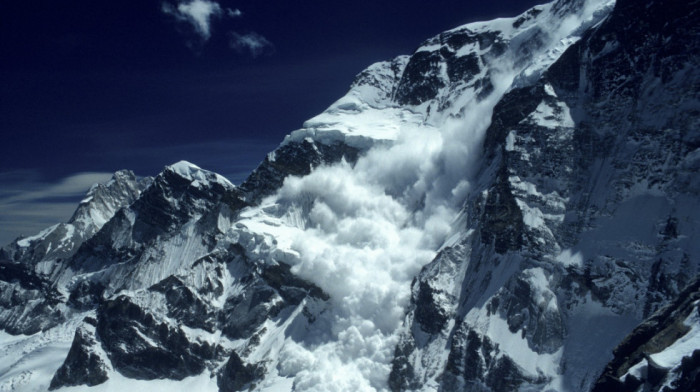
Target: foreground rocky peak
x,y
562,263
465,218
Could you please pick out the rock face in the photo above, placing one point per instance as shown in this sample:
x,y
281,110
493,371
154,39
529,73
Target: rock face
x,y
661,354
573,164
497,211
82,366
294,159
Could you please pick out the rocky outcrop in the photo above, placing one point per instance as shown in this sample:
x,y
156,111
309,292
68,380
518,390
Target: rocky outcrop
x,y
237,376
85,363
666,333
140,344
293,159
569,160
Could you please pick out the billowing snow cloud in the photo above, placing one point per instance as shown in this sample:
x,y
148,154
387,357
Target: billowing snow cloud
x,y
199,13
252,42
362,232
367,229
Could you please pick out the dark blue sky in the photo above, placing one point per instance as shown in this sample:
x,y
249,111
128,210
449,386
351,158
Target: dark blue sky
x,y
97,86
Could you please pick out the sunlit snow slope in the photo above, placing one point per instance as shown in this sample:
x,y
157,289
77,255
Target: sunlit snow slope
x,y
465,218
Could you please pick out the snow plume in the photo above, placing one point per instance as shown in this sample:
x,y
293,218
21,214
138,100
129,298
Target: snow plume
x,y
199,14
361,233
252,42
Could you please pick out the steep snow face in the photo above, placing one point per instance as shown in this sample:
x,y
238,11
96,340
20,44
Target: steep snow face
x,y
448,74
576,223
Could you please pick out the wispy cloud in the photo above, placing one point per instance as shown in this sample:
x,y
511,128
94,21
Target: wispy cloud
x,y
234,13
252,42
28,205
199,14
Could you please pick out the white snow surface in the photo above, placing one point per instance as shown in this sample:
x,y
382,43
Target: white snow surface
x,y
27,363
198,176
25,242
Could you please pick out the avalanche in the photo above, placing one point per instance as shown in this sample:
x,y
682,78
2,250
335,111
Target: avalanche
x,y
346,262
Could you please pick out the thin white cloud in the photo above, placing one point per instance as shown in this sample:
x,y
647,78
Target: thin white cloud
x,y
252,42
199,14
27,207
74,185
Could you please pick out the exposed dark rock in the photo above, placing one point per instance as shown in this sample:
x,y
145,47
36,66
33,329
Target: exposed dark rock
x,y
293,159
26,278
513,108
458,39
86,295
474,365
670,230
687,375
652,336
141,347
528,16
562,153
471,362
502,219
82,365
238,376
172,199
402,376
429,314
655,372
421,79
461,68
28,301
290,287
183,305
244,313
525,314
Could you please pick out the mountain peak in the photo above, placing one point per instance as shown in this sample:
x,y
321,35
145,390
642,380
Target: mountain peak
x,y
103,200
123,175
196,175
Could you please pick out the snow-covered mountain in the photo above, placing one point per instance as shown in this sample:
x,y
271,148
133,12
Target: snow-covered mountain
x,y
500,210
